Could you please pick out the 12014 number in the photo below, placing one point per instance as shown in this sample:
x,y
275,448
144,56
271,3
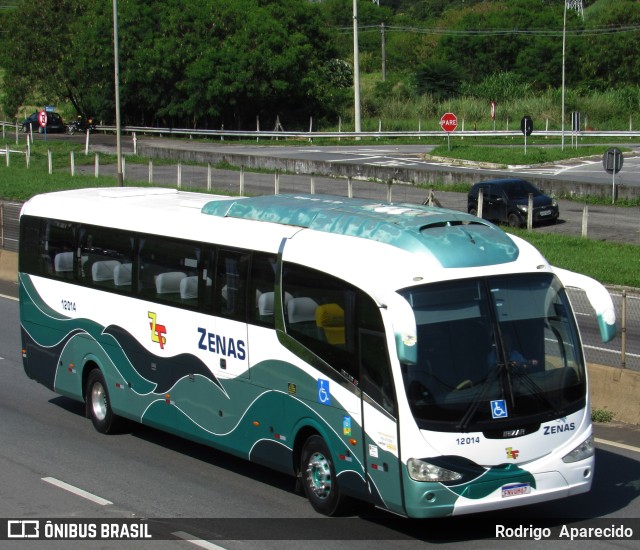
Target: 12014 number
x,y
467,440
68,305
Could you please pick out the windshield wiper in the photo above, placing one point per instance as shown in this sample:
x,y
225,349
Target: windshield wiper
x,y
531,384
479,397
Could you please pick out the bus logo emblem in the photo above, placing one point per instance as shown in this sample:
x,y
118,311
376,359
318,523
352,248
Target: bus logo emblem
x,y
512,453
324,395
499,408
157,331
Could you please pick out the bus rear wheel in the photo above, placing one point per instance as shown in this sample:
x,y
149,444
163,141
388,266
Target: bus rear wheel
x,y
99,404
319,477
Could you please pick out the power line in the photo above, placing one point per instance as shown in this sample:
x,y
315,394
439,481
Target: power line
x,y
496,32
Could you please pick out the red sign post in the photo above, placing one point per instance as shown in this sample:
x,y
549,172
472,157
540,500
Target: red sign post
x,y
42,120
448,122
493,114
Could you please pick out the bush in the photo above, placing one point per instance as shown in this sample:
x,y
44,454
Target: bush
x,y
602,415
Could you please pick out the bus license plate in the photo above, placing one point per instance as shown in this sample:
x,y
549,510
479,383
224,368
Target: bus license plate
x,y
516,489
545,213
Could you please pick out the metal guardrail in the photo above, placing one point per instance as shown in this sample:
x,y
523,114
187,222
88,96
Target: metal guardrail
x,y
257,134
623,351
376,135
9,225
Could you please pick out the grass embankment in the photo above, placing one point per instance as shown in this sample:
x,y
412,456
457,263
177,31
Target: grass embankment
x,y
610,263
607,262
515,155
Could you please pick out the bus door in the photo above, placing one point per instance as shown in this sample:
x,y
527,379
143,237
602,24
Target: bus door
x,y
222,341
380,424
230,307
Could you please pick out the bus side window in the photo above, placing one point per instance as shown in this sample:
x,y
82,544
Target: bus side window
x,y
231,284
33,258
263,279
104,256
376,380
163,266
320,314
375,375
59,243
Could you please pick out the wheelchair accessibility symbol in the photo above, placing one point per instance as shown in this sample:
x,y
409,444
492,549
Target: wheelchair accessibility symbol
x,y
324,396
499,408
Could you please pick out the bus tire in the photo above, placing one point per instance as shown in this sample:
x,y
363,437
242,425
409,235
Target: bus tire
x,y
318,477
99,405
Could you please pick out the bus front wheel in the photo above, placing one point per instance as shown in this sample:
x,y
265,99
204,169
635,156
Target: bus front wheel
x,y
99,404
319,477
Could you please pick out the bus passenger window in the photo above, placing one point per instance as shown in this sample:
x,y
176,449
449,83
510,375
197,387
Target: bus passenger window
x,y
33,258
320,314
231,284
59,242
263,279
168,270
102,252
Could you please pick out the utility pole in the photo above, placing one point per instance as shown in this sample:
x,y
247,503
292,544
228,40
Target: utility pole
x,y
117,93
384,53
576,5
356,68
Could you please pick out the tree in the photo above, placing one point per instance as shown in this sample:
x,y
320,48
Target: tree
x,y
181,63
33,62
260,58
488,41
605,60
440,79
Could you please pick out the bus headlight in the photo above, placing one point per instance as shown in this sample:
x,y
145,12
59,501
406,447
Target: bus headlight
x,y
582,451
419,470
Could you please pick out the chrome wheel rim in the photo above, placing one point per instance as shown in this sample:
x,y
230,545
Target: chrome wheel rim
x,y
319,475
99,401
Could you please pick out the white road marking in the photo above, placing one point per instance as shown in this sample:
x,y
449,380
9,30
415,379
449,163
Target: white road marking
x,y
76,491
619,445
196,541
607,350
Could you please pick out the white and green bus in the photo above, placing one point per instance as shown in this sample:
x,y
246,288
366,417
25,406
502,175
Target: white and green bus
x,y
418,359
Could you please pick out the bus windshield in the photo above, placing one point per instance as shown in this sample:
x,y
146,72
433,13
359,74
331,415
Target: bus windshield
x,y
494,354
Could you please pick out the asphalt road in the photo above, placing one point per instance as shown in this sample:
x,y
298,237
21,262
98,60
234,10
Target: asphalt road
x,y
53,464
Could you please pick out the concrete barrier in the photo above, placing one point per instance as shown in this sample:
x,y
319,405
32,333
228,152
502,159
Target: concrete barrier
x,y
422,176
8,266
616,390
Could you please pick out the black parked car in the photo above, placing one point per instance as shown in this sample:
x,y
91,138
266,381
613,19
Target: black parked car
x,y
54,123
507,200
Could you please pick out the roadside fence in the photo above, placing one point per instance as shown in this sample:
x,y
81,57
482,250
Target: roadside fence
x,y
623,351
9,227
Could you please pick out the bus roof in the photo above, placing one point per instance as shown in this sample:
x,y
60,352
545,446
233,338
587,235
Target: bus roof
x,y
444,238
455,239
